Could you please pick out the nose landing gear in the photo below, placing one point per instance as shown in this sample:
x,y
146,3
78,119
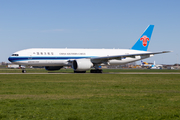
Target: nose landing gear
x,y
23,71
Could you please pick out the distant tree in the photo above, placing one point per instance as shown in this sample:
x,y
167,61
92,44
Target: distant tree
x,y
176,64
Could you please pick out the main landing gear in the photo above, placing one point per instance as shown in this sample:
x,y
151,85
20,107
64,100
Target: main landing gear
x,y
96,70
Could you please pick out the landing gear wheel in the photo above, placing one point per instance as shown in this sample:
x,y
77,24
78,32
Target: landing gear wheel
x,y
96,71
23,71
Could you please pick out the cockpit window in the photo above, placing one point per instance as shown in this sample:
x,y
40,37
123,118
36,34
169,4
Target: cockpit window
x,y
15,54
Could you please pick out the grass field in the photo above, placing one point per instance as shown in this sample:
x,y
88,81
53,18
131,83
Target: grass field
x,y
71,70
89,97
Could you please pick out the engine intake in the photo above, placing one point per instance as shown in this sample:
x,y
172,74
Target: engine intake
x,y
82,64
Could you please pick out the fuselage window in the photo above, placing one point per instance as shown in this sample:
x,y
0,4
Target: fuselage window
x,y
37,53
48,53
44,53
51,53
41,53
34,53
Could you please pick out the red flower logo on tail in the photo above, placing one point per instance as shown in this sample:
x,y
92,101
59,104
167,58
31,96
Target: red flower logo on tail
x,y
144,40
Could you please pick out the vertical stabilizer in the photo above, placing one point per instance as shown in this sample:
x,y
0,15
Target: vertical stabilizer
x,y
143,42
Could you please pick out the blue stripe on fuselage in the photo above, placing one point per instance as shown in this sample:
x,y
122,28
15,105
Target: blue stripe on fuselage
x,y
27,58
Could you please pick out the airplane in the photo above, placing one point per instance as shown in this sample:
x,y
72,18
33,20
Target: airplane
x,y
143,63
151,66
154,66
82,60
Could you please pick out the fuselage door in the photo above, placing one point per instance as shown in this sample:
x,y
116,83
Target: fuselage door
x,y
30,56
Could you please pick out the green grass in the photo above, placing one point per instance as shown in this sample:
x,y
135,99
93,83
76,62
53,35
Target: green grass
x,y
35,71
139,70
89,97
71,70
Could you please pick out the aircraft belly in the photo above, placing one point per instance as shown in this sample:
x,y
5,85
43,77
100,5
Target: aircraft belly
x,y
48,63
43,62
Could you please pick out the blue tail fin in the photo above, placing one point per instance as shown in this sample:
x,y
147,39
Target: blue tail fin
x,y
143,42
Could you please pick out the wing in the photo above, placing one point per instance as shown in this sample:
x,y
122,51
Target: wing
x,y
99,60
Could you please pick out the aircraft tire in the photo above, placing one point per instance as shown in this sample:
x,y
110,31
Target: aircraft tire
x,y
23,71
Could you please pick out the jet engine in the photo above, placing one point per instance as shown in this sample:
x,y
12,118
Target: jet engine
x,y
51,68
82,64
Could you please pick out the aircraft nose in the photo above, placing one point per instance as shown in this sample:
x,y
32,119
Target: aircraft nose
x,y
10,59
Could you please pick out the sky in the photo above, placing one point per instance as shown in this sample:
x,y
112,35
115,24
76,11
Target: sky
x,y
90,24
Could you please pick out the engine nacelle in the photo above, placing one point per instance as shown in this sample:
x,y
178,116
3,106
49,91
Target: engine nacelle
x,y
51,68
82,64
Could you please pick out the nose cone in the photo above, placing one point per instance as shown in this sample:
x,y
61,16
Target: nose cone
x,y
10,59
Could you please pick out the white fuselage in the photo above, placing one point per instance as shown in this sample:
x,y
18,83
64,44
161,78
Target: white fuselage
x,y
61,57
